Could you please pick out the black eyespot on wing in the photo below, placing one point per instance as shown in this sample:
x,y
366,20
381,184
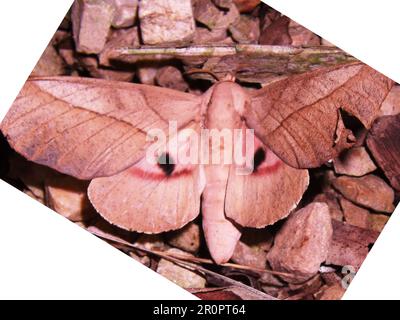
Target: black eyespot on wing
x,y
259,158
166,163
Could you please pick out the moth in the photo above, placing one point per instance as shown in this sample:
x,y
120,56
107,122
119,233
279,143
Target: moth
x,y
99,130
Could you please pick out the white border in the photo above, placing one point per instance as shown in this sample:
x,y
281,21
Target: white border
x,y
43,255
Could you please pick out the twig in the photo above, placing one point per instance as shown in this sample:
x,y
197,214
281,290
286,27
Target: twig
x,y
187,265
184,258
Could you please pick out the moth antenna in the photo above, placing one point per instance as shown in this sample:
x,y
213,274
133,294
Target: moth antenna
x,y
196,70
229,77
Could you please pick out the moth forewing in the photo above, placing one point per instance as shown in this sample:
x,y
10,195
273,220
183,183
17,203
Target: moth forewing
x,y
90,128
297,117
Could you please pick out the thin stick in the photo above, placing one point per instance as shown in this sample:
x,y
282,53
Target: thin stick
x,y
188,265
226,50
188,258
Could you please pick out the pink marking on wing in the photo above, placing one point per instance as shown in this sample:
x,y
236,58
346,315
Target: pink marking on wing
x,y
267,169
271,163
144,174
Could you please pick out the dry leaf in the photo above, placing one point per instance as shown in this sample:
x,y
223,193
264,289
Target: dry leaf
x,y
361,217
354,162
369,191
350,244
384,143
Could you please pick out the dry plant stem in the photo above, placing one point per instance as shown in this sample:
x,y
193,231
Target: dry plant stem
x,y
226,50
291,59
178,258
190,266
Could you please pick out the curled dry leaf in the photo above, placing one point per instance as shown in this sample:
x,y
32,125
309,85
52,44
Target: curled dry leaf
x,y
350,244
303,242
369,191
384,143
354,162
361,217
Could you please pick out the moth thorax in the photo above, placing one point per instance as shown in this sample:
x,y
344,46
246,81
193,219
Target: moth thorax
x,y
226,106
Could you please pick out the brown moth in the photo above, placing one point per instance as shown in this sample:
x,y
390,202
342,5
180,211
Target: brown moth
x,y
98,130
